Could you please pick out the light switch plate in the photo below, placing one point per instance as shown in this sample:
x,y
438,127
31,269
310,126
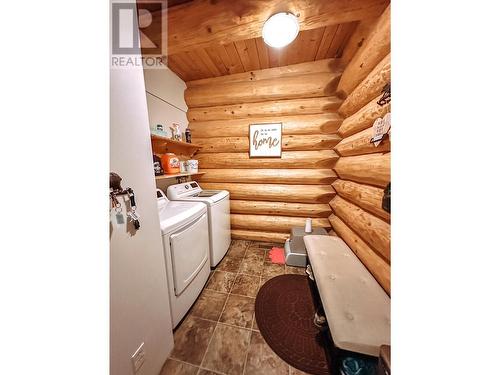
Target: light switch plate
x,y
138,357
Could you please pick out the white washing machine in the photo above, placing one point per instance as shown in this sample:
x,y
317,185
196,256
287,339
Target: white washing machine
x,y
219,219
184,227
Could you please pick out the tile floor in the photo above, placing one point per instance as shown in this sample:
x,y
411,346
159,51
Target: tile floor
x,y
219,335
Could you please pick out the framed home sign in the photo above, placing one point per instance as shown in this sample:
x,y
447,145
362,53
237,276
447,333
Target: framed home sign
x,y
265,140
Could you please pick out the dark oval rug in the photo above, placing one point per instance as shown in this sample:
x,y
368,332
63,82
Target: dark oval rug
x,y
284,311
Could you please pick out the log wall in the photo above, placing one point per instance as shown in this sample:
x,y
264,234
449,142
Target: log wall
x,y
364,170
269,196
328,171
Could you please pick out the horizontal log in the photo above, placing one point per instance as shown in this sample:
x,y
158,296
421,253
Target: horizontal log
x,y
288,142
280,208
325,123
373,230
301,86
252,235
367,197
275,192
364,118
368,89
289,159
309,142
377,266
359,144
373,50
357,39
372,169
270,176
320,66
287,107
273,223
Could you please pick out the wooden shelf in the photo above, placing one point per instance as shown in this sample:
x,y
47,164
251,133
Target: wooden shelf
x,y
162,145
165,176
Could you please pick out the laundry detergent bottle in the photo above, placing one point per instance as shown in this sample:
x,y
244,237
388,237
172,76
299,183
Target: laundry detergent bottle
x,y
170,163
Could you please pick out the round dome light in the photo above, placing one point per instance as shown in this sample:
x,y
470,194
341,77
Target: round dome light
x,y
280,29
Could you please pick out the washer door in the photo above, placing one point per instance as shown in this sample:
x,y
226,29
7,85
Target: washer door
x,y
189,249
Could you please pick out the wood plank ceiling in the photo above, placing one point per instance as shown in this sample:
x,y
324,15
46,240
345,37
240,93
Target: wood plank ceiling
x,y
208,38
253,54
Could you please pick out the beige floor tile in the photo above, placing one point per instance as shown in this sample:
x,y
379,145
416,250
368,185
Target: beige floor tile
x,y
173,367
255,253
227,350
267,245
255,327
252,266
262,360
238,248
267,259
246,285
273,269
236,253
207,372
221,281
238,311
191,339
295,270
264,279
229,264
209,305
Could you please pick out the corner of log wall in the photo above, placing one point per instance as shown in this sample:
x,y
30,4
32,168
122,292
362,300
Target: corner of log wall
x,y
329,170
363,170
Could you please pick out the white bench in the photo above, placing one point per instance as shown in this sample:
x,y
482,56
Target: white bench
x,y
356,307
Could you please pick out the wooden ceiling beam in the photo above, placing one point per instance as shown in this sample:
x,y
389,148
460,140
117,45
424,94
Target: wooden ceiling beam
x,y
204,23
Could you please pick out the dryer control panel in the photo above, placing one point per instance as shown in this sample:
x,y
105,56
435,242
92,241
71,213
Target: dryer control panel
x,y
186,189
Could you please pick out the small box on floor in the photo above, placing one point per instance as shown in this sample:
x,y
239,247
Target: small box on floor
x,y
295,249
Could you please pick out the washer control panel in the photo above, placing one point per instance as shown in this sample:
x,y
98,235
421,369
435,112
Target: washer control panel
x,y
186,189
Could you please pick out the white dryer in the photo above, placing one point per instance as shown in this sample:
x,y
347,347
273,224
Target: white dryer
x,y
184,227
219,219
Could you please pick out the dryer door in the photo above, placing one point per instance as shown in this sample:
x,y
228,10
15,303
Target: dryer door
x,y
220,226
190,249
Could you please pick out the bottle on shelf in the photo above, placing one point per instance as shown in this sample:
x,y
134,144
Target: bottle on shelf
x,y
176,132
170,163
157,165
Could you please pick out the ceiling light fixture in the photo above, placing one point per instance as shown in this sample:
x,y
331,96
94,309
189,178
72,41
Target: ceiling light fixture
x,y
280,29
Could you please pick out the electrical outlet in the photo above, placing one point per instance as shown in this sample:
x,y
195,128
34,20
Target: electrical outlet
x,y
138,358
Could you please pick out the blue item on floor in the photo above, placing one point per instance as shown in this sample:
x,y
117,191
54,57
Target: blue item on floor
x,y
358,366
